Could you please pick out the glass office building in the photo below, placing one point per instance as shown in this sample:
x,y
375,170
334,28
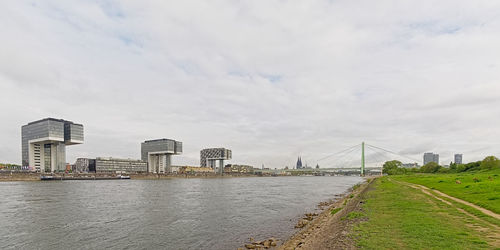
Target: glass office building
x,y
458,158
431,157
44,143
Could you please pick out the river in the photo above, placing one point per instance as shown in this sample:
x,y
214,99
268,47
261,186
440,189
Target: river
x,y
213,213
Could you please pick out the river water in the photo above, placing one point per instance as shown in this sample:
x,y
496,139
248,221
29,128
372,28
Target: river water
x,y
218,213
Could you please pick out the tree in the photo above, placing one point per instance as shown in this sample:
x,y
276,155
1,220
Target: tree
x,y
453,166
473,166
391,167
490,162
430,167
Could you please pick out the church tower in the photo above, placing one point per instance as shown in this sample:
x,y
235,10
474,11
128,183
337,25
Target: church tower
x,y
299,163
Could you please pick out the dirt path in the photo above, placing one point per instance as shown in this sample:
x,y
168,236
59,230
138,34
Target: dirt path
x,y
427,190
493,235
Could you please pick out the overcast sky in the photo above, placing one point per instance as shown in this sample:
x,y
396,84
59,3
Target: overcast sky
x,y
270,80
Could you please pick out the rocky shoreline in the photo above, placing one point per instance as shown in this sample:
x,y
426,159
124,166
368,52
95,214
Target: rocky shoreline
x,y
331,228
325,230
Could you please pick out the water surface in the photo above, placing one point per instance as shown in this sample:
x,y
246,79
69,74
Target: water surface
x,y
219,213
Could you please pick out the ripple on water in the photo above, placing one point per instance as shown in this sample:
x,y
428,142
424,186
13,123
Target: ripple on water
x,y
172,214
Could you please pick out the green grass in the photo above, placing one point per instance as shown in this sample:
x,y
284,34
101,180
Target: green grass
x,y
335,210
481,188
353,215
400,217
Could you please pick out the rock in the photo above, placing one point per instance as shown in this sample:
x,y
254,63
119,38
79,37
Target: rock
x,y
302,223
267,243
273,243
323,204
250,246
458,182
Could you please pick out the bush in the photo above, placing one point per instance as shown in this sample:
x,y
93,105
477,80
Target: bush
x,y
489,163
473,166
444,170
460,168
430,167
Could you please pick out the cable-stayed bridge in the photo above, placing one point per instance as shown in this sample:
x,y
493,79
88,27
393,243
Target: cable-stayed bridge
x,y
362,159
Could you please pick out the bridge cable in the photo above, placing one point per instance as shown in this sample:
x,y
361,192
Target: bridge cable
x,y
344,157
388,151
338,152
341,158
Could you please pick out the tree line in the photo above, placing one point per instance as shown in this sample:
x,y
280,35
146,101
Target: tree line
x,y
395,167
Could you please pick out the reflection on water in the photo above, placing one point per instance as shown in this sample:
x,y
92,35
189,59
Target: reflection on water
x,y
172,214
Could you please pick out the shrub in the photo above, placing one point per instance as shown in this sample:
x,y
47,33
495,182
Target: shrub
x,y
490,162
472,166
460,168
443,170
430,167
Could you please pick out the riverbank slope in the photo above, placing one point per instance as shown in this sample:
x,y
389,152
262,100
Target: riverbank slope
x,y
393,214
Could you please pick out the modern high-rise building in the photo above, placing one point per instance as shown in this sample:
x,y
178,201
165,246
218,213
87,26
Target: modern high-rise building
x,y
458,158
431,157
44,143
209,157
157,153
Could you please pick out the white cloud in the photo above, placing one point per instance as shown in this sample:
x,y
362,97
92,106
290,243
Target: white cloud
x,y
268,79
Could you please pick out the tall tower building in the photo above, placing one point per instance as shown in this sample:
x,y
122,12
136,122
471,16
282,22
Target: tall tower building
x,y
431,157
458,158
44,143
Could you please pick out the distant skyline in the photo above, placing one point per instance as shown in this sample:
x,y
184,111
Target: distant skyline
x,y
270,80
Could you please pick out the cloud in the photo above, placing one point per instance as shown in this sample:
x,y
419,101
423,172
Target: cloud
x,y
271,80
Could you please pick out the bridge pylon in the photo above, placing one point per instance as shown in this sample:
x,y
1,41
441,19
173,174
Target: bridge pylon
x,y
363,159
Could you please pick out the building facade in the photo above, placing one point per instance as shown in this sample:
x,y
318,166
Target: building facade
x,y
44,143
235,168
209,157
431,157
458,158
117,165
410,165
194,170
84,165
158,153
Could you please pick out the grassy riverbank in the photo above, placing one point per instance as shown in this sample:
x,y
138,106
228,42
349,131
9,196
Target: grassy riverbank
x,y
397,215
394,212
